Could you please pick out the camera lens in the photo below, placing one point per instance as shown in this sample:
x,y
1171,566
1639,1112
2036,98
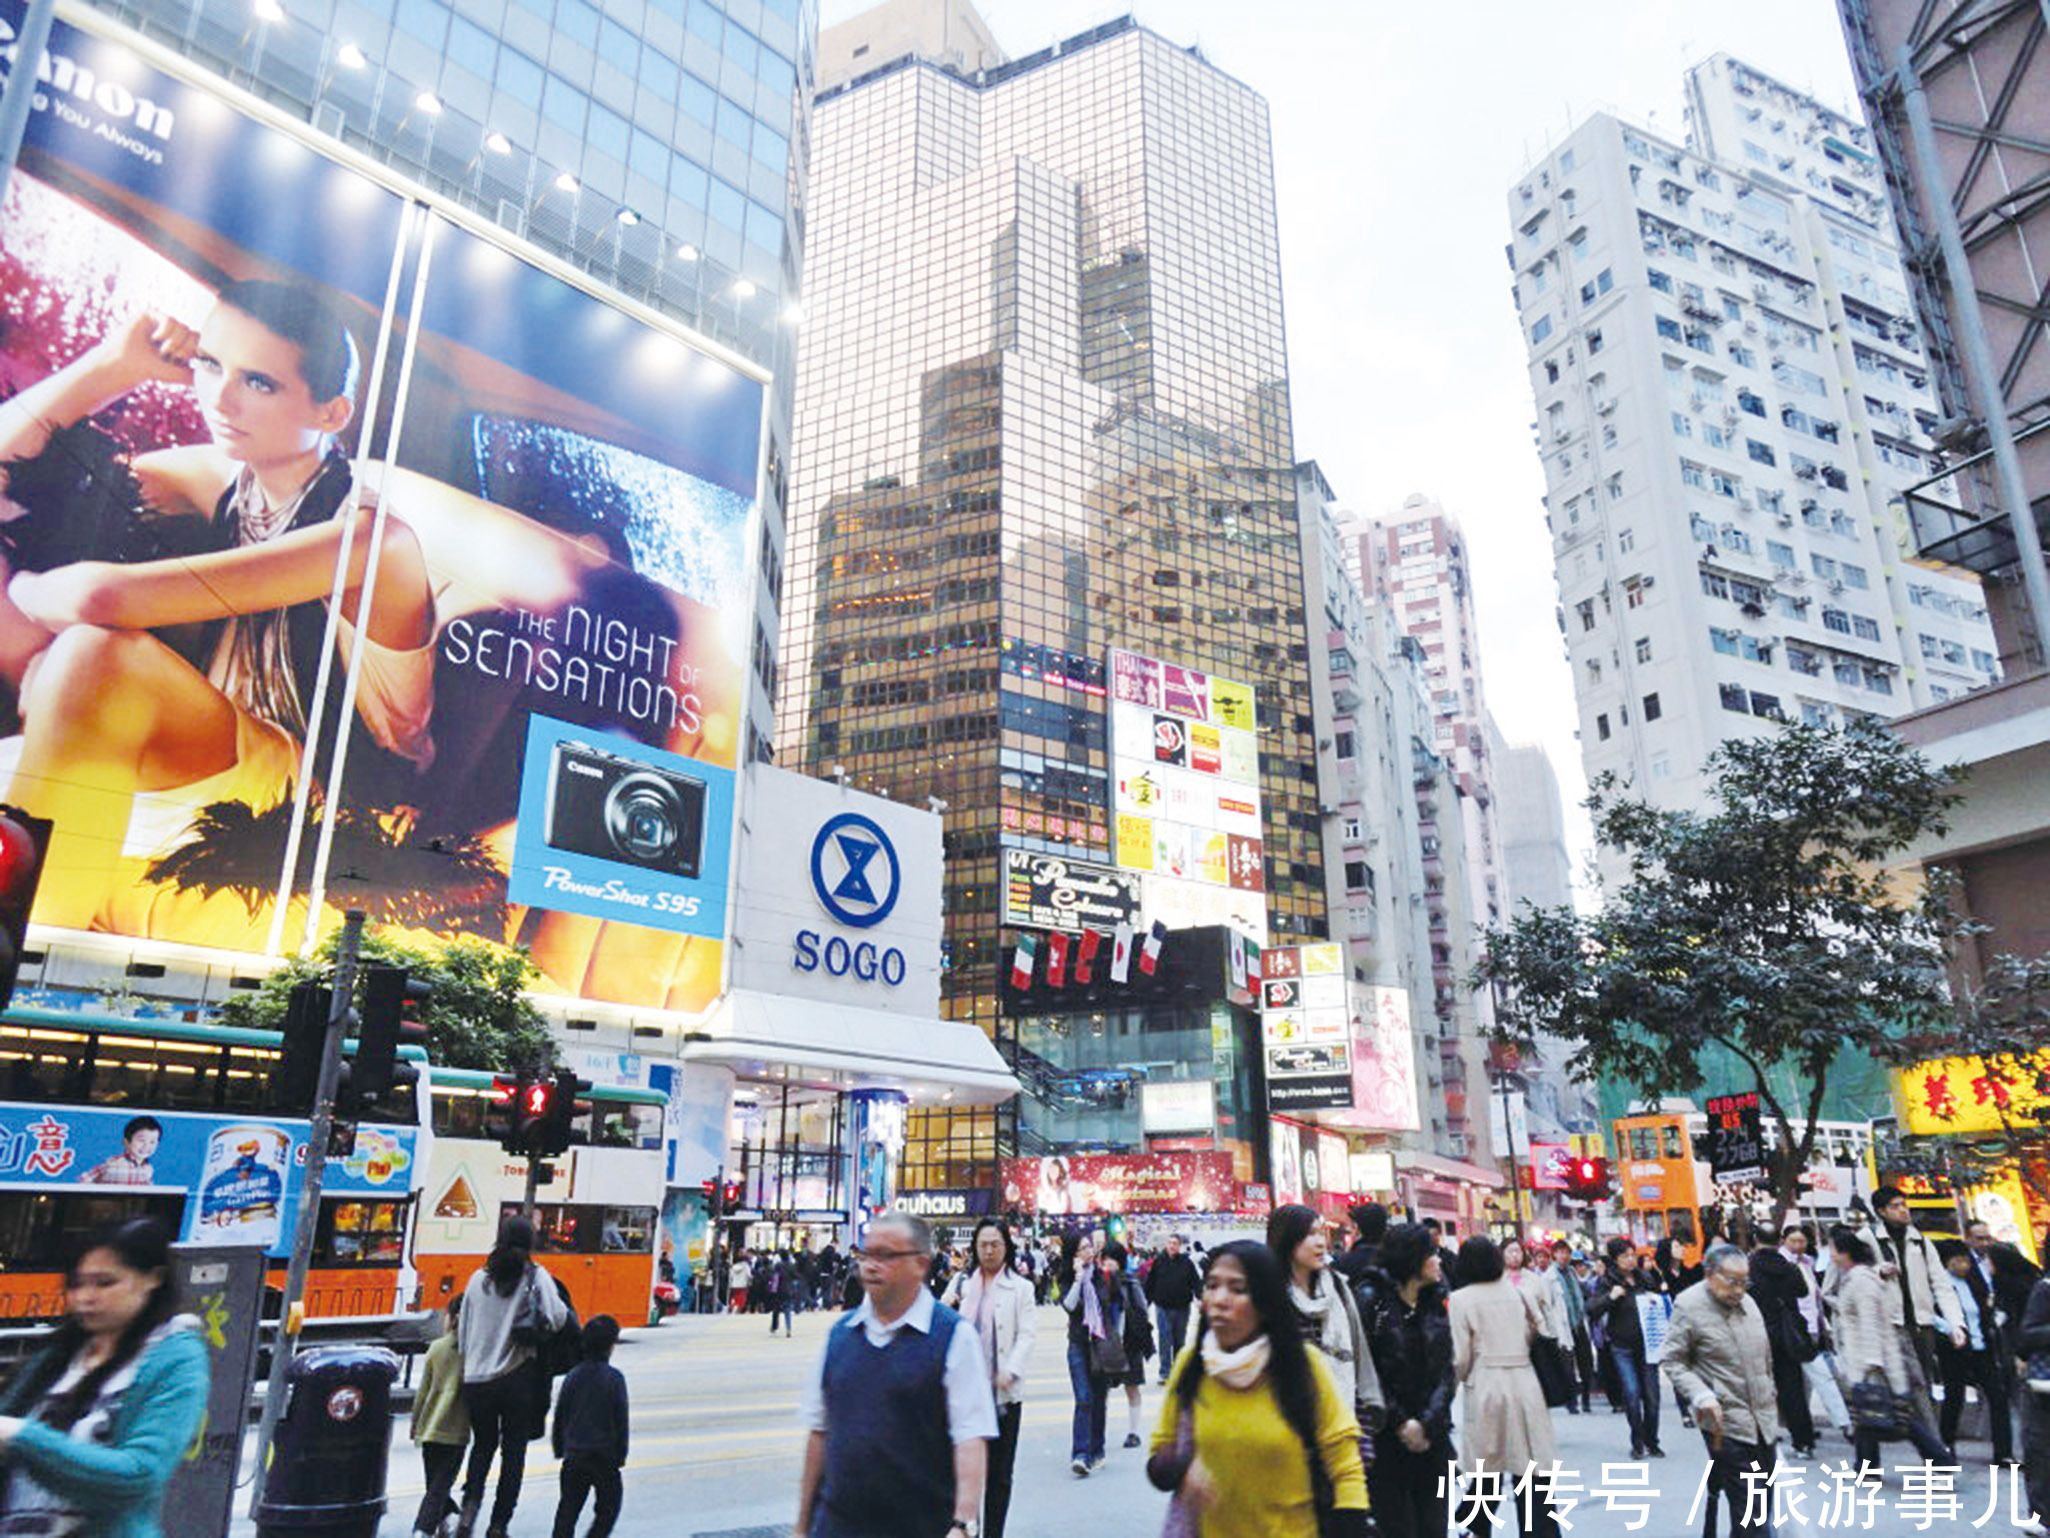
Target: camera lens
x,y
643,816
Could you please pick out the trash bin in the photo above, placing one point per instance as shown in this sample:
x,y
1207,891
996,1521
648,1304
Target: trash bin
x,y
333,1442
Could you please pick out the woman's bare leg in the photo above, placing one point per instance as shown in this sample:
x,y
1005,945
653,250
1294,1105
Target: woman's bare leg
x,y
108,713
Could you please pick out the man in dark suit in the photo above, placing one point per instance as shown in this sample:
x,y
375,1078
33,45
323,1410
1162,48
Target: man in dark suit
x,y
1978,1362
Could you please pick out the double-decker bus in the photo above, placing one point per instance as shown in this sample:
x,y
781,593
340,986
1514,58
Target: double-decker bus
x,y
1668,1191
596,1216
104,1118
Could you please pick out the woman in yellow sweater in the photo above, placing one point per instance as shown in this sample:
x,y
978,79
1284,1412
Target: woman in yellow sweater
x,y
1254,1440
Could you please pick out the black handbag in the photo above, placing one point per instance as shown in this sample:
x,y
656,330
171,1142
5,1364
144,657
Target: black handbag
x,y
1107,1357
1875,1407
1554,1376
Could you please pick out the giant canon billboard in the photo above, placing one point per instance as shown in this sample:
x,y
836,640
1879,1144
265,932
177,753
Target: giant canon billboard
x,y
352,560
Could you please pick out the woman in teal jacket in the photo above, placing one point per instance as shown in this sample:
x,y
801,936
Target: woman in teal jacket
x,y
94,1425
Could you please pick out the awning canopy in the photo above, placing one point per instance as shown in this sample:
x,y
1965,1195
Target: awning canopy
x,y
770,1035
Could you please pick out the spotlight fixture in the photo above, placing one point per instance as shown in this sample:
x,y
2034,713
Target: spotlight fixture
x,y
349,56
627,217
793,314
268,10
497,143
428,103
686,252
567,183
743,289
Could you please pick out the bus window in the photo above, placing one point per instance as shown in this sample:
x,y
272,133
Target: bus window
x,y
161,1074
627,1124
627,1230
1644,1143
41,1231
40,1064
459,1113
1669,1138
1680,1224
361,1233
557,1230
247,1085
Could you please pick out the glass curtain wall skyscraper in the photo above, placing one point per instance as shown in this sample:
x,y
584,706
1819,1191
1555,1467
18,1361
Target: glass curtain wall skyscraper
x,y
1042,412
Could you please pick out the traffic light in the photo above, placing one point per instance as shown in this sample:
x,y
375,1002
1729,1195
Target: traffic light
x,y
24,841
1587,1180
389,996
296,1077
563,1108
532,1108
500,1123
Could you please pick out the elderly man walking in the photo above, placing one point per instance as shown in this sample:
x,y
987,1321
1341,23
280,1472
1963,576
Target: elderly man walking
x,y
1719,1362
900,1408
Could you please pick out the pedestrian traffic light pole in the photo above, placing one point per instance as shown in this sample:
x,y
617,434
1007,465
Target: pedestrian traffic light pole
x,y
308,1222
533,1186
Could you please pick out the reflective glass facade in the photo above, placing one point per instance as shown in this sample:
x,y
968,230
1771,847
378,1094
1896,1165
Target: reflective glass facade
x,y
1042,412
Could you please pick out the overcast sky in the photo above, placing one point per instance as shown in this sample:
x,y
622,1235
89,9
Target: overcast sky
x,y
1397,132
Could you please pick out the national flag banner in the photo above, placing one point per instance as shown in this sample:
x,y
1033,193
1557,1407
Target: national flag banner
x,y
1022,961
1056,960
1149,953
1085,956
1121,954
1236,952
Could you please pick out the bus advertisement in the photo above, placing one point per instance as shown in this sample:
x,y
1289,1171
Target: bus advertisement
x,y
105,1119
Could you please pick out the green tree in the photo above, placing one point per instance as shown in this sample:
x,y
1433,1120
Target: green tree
x,y
1766,924
478,1015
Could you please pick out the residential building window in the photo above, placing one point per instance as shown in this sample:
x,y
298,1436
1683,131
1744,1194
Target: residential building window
x,y
1854,576
1601,727
1767,706
1878,681
1651,708
1669,329
1837,620
1683,425
1715,584
1542,329
1760,453
1659,280
1868,629
1347,745
1780,555
1693,474
1355,875
1735,697
1585,609
1644,648
1625,542
1823,567
1350,830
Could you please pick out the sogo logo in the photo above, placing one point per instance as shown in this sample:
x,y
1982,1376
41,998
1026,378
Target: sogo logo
x,y
848,857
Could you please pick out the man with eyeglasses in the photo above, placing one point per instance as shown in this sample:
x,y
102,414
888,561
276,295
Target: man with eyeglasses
x,y
900,1408
1719,1361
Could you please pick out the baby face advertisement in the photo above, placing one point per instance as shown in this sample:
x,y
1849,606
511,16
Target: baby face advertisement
x,y
348,560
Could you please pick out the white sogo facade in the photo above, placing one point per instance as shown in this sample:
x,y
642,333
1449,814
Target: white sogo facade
x,y
829,1025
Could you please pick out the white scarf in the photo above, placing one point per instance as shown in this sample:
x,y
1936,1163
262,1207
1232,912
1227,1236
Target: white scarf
x,y
1239,1369
1328,1327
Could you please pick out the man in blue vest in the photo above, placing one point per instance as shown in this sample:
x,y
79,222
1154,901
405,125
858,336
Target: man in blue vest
x,y
900,1407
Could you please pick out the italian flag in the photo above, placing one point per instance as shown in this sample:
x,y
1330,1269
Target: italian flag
x,y
1149,953
1085,956
1022,961
1056,960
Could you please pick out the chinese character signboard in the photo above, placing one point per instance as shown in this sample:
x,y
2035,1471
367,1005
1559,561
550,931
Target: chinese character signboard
x,y
1185,770
1962,1094
1736,1138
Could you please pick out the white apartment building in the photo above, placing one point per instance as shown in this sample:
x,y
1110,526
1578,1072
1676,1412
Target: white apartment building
x,y
1730,398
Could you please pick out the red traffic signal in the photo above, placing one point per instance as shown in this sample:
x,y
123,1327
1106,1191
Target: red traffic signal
x,y
1588,1180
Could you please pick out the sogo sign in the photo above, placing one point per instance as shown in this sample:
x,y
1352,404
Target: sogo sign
x,y
839,895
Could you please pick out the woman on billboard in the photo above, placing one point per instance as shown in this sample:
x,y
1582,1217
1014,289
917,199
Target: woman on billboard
x,y
110,706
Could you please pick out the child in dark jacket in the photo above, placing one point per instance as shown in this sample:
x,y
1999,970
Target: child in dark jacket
x,y
590,1432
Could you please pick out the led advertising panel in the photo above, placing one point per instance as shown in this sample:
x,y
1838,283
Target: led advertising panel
x,y
310,607
1185,771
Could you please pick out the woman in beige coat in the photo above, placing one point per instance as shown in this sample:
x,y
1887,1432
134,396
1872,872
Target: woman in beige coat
x,y
1869,1346
1504,1425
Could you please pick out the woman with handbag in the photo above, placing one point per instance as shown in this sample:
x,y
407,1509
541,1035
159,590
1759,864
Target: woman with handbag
x,y
508,1307
1094,1353
1327,1312
1505,1428
1868,1354
1255,1440
97,1421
